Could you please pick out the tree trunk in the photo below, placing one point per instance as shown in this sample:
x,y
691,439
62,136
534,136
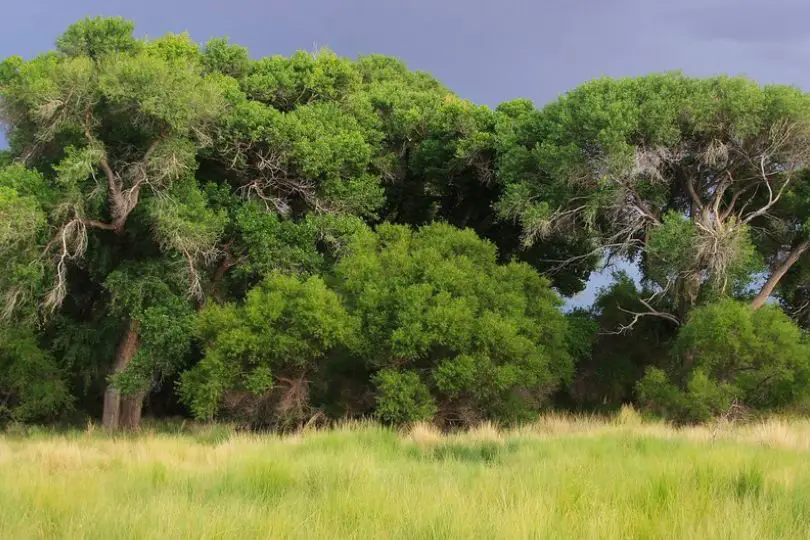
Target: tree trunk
x,y
690,290
219,274
779,272
111,417
131,407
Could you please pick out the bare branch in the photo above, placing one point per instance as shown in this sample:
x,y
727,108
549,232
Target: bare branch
x,y
563,263
195,289
637,316
730,207
772,200
72,243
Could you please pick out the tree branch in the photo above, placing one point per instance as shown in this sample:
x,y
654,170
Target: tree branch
x,y
778,273
730,208
690,188
772,200
637,316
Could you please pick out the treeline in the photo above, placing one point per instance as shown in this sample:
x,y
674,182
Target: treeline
x,y
189,231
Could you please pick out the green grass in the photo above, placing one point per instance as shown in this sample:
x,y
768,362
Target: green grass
x,y
560,478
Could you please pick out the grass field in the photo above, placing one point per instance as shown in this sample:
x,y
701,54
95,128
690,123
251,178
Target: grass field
x,y
559,478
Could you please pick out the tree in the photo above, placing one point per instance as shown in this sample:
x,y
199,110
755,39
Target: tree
x,y
448,329
698,176
114,125
33,387
259,355
294,160
378,240
443,159
292,142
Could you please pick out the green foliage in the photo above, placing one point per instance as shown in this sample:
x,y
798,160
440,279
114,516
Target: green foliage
x,y
152,296
727,352
300,79
674,250
675,169
175,48
185,224
226,58
24,202
402,397
96,37
435,302
162,95
283,330
308,246
619,350
701,400
360,240
670,247
582,330
22,218
32,386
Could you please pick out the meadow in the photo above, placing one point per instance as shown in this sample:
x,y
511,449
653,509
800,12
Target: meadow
x,y
560,477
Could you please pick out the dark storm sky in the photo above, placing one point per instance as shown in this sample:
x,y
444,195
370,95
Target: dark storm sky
x,y
487,51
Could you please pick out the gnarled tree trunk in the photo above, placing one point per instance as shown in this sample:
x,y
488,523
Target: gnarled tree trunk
x,y
111,416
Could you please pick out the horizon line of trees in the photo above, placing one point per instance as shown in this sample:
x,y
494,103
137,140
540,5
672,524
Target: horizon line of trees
x,y
189,231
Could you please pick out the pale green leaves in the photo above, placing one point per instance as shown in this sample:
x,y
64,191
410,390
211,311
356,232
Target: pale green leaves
x,y
160,94
178,49
78,165
97,37
51,92
157,88
300,79
24,199
21,219
678,246
226,58
182,222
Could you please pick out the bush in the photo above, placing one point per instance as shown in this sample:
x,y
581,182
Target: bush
x,y
726,352
487,341
402,397
32,387
273,341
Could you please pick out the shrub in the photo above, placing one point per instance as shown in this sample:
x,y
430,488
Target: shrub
x,y
402,397
728,352
32,387
275,339
484,339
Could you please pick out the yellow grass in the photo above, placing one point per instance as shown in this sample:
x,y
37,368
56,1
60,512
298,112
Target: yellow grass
x,y
560,477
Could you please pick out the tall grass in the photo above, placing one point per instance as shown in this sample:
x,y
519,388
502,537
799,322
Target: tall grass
x,y
558,478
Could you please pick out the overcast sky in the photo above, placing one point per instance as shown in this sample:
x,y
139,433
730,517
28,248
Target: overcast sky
x,y
487,51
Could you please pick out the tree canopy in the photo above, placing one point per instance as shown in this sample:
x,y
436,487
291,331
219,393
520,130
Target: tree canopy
x,y
700,177
271,239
